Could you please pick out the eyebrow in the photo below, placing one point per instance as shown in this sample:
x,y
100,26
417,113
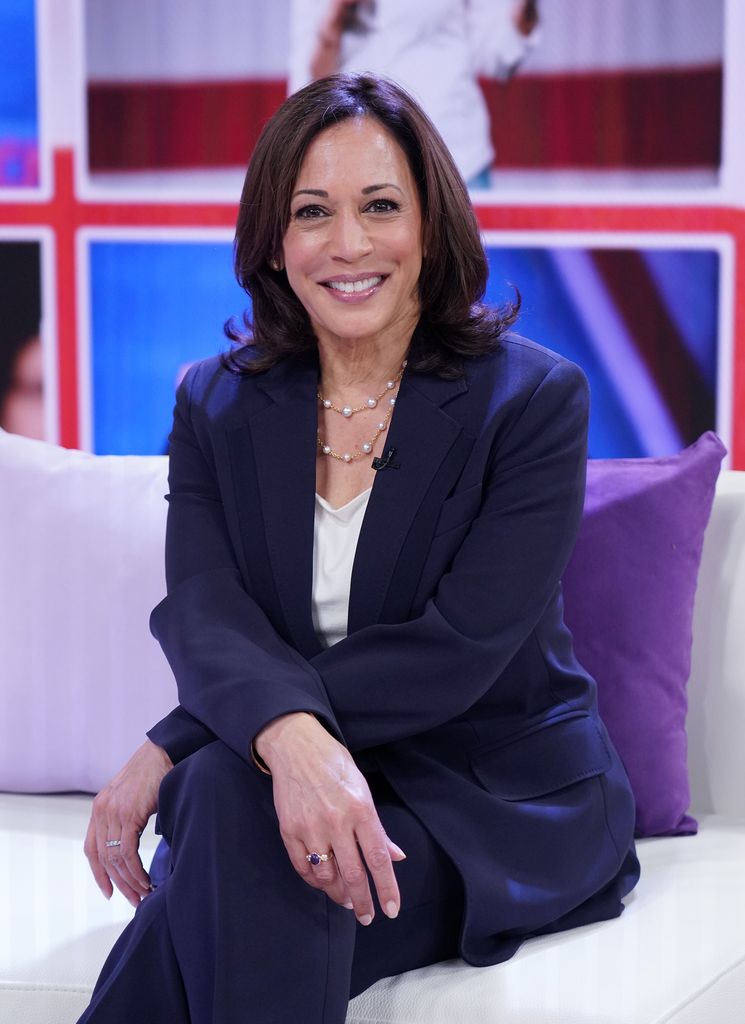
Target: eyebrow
x,y
377,188
365,191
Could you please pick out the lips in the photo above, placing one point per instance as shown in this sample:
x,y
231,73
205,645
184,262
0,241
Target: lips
x,y
356,286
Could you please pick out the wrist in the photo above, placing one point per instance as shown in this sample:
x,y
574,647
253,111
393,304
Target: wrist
x,y
281,732
156,751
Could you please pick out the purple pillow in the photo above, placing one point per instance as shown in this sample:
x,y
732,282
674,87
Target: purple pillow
x,y
629,591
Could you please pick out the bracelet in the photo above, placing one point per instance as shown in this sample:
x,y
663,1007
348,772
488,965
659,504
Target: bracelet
x,y
259,761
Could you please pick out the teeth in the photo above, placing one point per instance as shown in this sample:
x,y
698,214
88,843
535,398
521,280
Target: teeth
x,y
355,286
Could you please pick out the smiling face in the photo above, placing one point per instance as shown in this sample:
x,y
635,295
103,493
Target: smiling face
x,y
353,249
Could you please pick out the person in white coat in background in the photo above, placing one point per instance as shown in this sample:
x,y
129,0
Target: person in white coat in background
x,y
435,49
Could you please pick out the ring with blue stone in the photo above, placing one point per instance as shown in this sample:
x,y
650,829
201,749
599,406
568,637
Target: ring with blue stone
x,y
319,858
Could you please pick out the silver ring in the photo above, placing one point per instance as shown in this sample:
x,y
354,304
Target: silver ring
x,y
113,842
319,858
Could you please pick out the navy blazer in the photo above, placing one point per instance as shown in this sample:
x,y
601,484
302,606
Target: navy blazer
x,y
457,680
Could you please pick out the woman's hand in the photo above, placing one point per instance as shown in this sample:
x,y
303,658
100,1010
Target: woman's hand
x,y
120,812
324,804
526,16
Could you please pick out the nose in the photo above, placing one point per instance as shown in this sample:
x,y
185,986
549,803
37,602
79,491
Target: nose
x,y
349,237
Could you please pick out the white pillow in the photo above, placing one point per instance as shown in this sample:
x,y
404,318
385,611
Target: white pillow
x,y
81,567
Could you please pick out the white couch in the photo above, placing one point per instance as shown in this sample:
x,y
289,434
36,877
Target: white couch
x,y
676,955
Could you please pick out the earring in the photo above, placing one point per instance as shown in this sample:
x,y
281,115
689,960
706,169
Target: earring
x,y
274,264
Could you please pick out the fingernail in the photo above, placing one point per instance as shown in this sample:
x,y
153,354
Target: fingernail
x,y
391,909
349,905
366,919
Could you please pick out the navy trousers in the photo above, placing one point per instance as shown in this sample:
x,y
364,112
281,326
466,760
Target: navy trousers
x,y
235,936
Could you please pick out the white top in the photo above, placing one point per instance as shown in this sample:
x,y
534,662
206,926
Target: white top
x,y
433,48
335,535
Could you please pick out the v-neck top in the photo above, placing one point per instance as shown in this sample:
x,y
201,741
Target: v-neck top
x,y
335,535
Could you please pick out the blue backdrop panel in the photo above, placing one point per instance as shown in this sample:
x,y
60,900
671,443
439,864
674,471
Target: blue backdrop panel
x,y
18,100
155,307
606,309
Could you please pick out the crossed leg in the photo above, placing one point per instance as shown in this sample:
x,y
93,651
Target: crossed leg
x,y
235,935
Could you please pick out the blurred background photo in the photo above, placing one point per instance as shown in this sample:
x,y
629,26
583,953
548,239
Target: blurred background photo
x,y
21,360
644,324
551,95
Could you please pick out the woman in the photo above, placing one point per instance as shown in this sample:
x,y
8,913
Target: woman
x,y
407,680
436,49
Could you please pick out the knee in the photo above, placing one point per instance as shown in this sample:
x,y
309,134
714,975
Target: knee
x,y
213,784
215,766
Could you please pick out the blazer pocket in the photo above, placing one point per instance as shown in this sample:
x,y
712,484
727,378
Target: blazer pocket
x,y
543,761
460,508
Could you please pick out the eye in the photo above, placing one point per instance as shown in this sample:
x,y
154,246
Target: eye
x,y
383,206
309,212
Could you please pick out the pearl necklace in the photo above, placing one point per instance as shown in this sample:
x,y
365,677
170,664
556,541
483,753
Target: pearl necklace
x,y
360,451
363,449
371,403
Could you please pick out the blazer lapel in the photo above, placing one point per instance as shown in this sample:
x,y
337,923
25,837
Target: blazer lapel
x,y
283,439
431,448
430,451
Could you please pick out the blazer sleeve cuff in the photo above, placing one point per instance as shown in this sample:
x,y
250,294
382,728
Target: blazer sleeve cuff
x,y
180,734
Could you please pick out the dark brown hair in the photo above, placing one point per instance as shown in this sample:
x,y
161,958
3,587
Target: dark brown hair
x,y
453,323
20,305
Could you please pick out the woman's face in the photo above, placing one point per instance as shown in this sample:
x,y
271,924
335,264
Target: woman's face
x,y
353,247
22,409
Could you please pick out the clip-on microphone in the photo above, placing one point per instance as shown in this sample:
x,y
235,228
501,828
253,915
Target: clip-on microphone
x,y
382,462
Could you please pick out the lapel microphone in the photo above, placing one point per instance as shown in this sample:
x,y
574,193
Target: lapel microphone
x,y
382,462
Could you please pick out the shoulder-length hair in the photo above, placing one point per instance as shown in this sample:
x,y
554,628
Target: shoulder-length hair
x,y
453,322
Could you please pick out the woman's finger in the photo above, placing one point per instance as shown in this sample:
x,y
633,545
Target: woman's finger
x,y
127,859
130,894
298,851
320,856
333,885
90,848
101,825
109,857
331,882
374,844
131,855
395,851
133,862
117,869
335,889
354,876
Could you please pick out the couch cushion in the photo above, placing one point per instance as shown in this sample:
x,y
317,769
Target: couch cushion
x,y
81,564
716,752
629,592
676,954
